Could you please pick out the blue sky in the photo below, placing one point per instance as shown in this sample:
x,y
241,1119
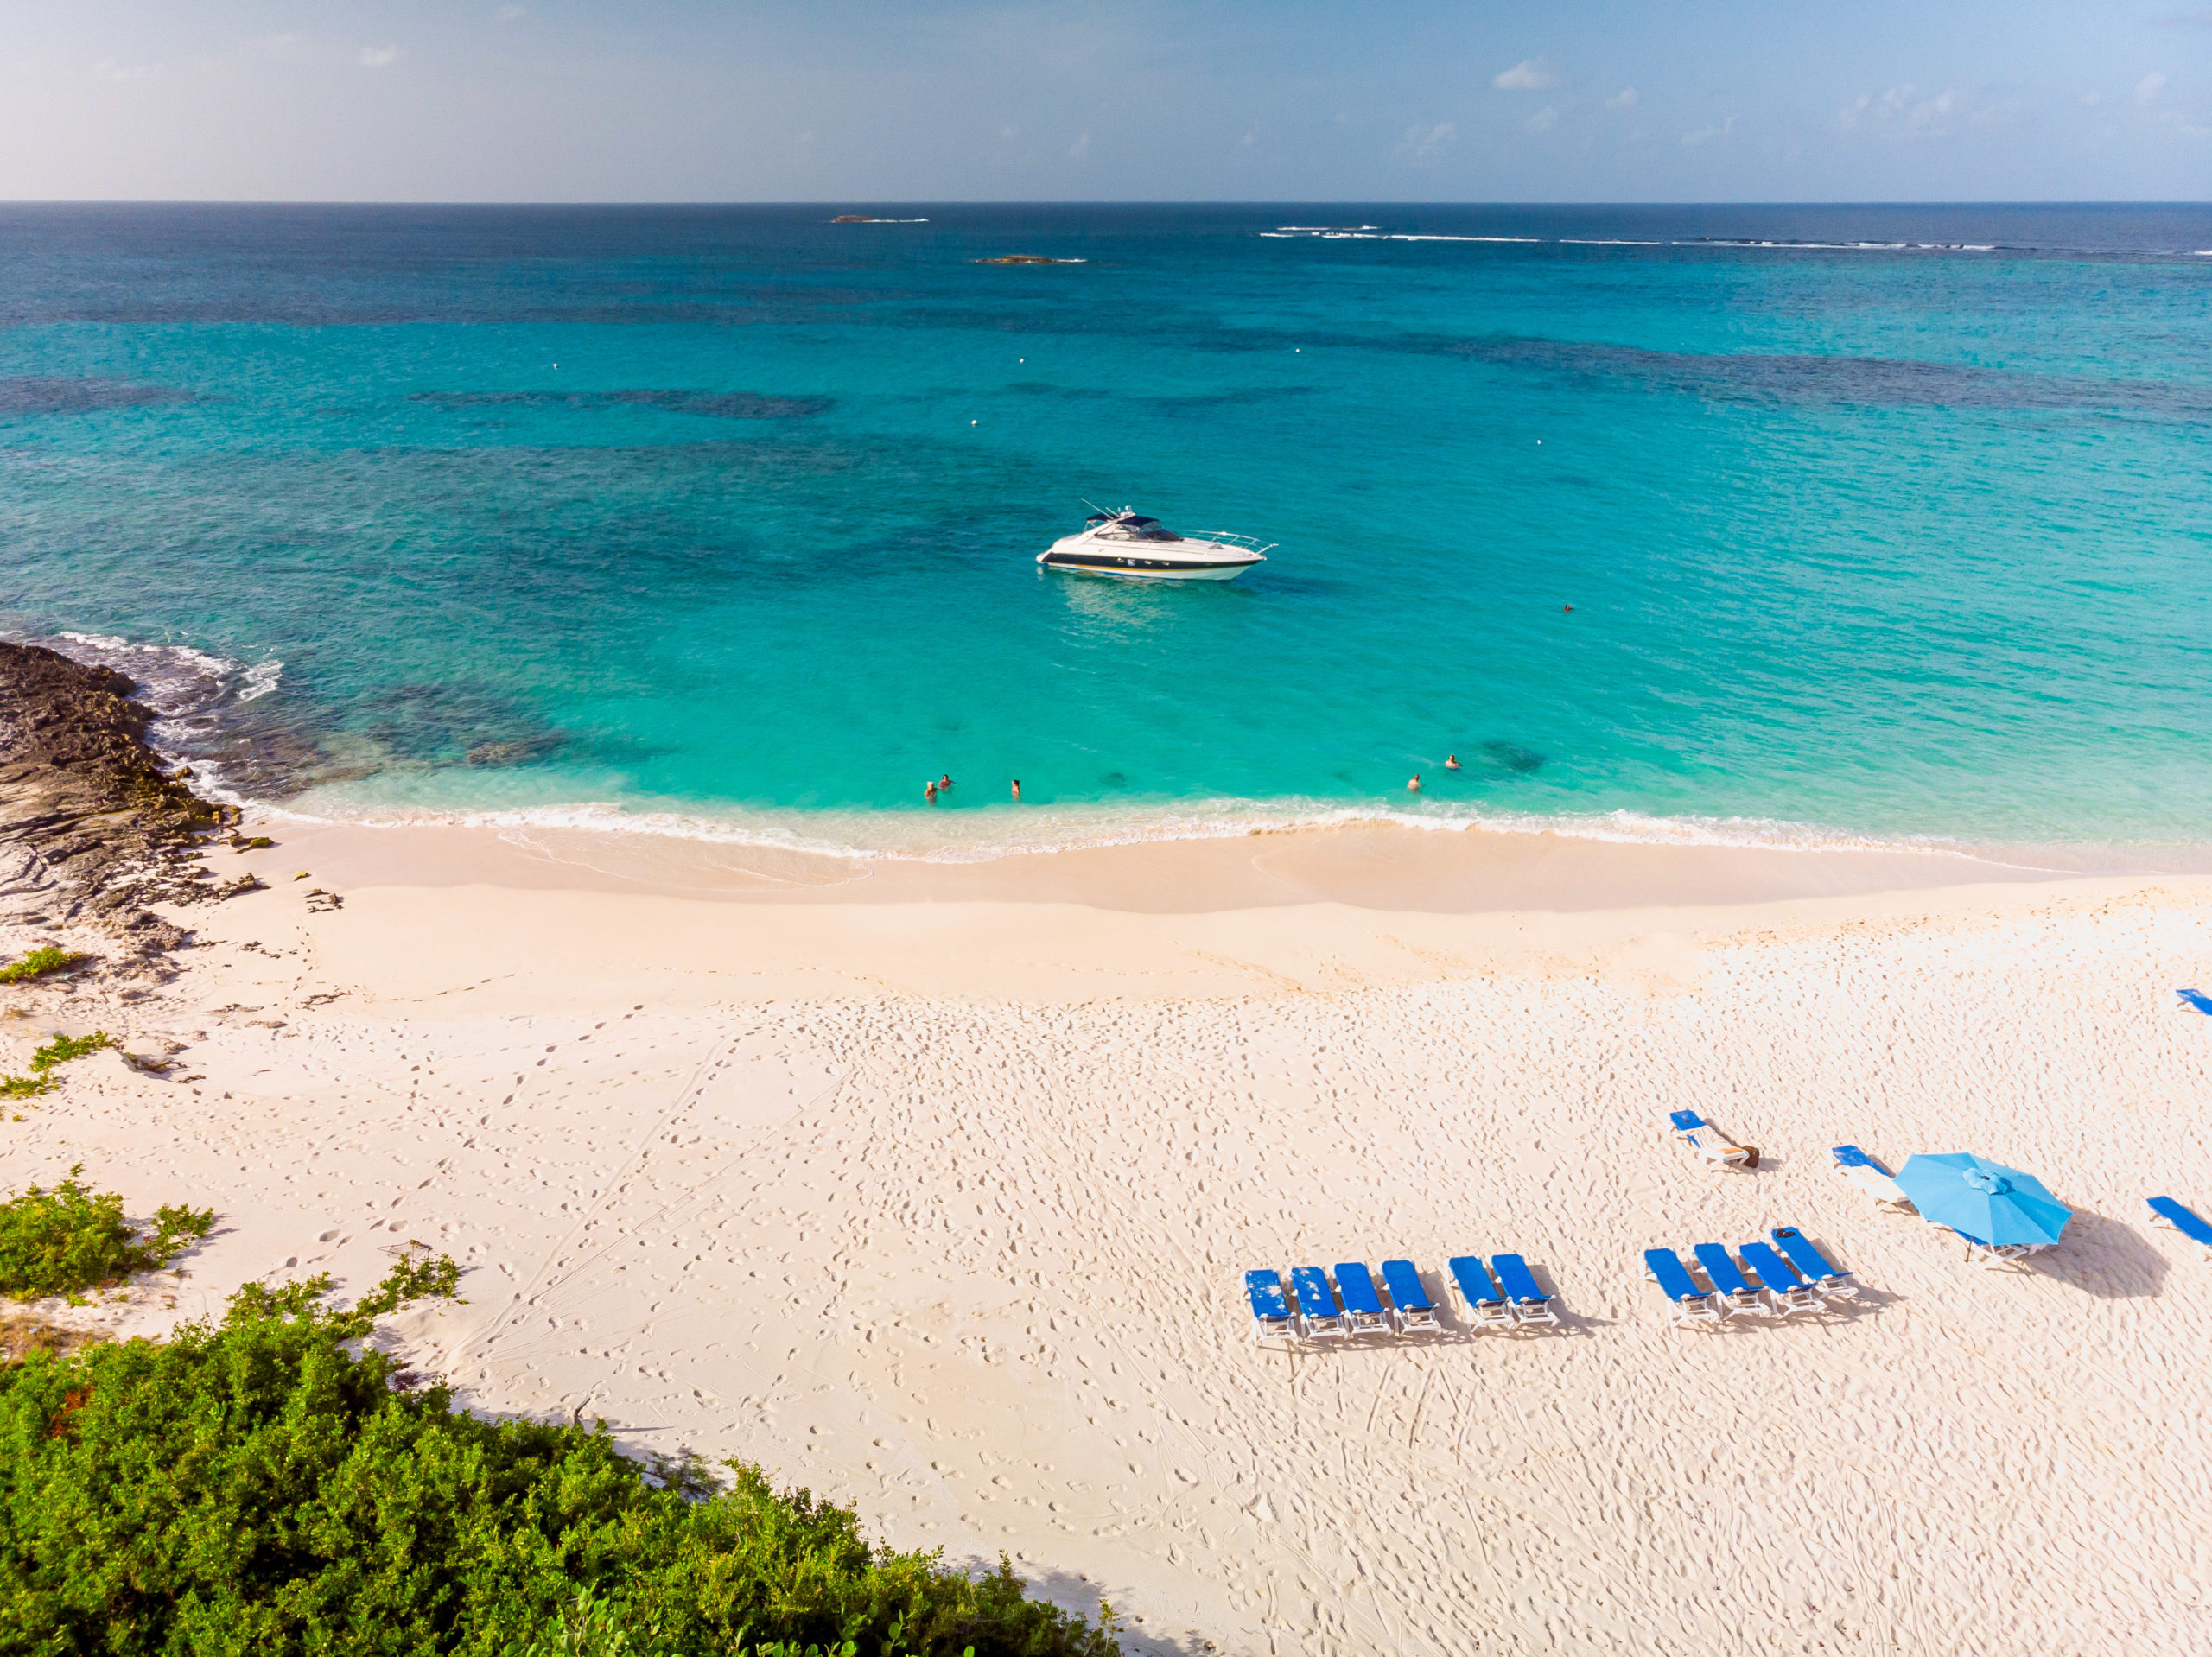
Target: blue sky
x,y
1284,100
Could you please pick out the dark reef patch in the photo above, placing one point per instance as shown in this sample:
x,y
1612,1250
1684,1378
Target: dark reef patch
x,y
1511,756
36,394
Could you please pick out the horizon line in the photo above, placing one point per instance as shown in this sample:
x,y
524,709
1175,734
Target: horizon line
x,y
1099,201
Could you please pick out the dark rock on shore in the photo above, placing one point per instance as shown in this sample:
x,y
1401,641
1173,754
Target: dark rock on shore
x,y
86,808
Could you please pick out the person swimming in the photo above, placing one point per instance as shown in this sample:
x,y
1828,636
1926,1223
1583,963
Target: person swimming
x,y
929,793
1451,762
945,782
1017,791
1413,787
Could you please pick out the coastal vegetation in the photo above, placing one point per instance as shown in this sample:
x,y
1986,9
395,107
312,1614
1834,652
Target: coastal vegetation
x,y
37,964
276,1483
68,1240
58,1051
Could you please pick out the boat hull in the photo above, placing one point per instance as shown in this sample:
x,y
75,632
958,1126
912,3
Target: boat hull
x,y
1126,570
1084,556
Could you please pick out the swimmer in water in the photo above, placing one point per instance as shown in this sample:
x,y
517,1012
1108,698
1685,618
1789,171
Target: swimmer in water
x,y
1413,787
945,782
929,793
1017,791
1451,762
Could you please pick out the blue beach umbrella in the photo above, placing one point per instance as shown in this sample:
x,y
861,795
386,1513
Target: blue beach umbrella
x,y
1984,1201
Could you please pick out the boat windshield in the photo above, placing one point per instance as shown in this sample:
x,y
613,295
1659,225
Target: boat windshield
x,y
1134,528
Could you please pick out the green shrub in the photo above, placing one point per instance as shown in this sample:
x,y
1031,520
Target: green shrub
x,y
259,1486
60,1051
37,964
68,1240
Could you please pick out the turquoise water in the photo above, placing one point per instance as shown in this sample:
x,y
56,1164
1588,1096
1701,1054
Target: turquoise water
x,y
724,520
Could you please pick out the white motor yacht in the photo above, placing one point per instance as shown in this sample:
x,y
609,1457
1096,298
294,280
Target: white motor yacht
x,y
1125,543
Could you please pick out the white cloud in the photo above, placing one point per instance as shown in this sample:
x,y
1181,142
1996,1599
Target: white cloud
x,y
510,14
379,57
1080,148
1900,112
2148,88
1709,135
1530,75
1421,143
1542,119
1624,99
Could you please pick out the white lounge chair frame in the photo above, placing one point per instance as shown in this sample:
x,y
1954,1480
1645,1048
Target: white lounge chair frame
x,y
2160,1222
1884,1191
1706,1309
1798,1297
1533,1312
1712,1149
1997,1257
1485,1314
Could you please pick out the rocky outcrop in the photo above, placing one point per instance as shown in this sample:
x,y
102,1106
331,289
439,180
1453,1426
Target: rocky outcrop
x,y
89,813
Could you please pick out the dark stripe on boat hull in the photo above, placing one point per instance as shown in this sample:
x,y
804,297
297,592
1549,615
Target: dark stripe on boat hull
x,y
1170,569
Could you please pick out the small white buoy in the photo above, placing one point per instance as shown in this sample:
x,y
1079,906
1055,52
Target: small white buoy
x,y
971,423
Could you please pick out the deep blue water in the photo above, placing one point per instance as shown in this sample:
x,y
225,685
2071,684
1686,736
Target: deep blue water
x,y
1875,521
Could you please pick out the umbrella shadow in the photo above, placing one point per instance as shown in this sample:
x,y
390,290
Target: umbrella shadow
x,y
2103,1257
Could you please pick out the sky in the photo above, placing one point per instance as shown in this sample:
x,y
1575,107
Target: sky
x,y
972,100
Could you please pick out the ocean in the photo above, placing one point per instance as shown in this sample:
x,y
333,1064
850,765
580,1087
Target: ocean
x,y
1787,525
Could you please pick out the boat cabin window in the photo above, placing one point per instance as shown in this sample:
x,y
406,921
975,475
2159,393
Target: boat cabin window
x,y
1141,529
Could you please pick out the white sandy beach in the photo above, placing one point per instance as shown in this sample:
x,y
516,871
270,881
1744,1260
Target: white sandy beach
x,y
932,1190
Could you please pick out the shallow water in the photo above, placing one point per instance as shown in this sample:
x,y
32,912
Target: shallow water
x,y
724,520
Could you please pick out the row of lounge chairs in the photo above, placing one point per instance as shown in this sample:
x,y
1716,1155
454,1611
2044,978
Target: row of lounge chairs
x,y
1317,1311
1759,1280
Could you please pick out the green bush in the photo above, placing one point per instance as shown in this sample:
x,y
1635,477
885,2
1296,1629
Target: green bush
x,y
68,1240
37,964
260,1486
60,1051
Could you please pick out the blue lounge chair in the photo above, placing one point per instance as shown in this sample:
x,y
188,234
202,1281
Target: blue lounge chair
x,y
1471,1278
1720,1272
1270,1314
1692,1304
1789,1292
1705,1139
1530,1303
1864,1172
1318,1317
1409,1299
1357,1290
2197,999
1797,1248
2171,1215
